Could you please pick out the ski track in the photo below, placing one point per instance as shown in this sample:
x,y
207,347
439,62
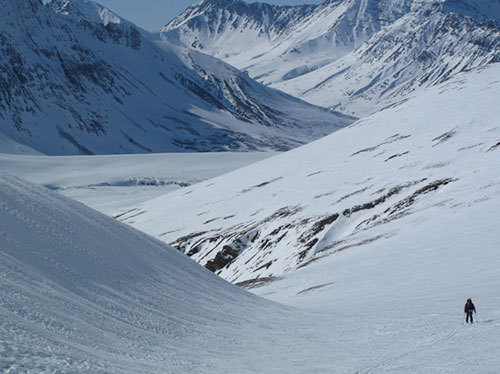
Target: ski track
x,y
385,362
447,337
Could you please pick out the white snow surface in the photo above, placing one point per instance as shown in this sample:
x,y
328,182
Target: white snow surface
x,y
9,146
76,80
435,152
112,183
87,10
381,290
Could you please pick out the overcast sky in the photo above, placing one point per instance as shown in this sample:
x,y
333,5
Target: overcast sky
x,y
152,14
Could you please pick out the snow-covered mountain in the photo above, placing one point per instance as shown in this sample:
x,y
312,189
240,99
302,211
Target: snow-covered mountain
x,y
411,167
399,213
82,293
76,78
354,55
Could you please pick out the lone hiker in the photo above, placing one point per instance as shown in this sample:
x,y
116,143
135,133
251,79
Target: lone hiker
x,y
468,309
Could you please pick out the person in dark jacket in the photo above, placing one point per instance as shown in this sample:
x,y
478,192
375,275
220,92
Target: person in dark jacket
x,y
468,309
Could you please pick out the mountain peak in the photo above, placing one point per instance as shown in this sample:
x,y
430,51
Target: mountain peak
x,y
169,99
237,6
299,48
220,2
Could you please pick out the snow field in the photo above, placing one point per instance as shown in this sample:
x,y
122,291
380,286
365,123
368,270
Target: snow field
x,y
112,183
370,240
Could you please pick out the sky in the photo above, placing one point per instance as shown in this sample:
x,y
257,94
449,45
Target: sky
x,y
153,14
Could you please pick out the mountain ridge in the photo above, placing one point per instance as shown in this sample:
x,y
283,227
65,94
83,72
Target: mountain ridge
x,y
332,44
77,82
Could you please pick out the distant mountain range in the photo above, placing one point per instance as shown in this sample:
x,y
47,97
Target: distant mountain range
x,y
75,78
357,56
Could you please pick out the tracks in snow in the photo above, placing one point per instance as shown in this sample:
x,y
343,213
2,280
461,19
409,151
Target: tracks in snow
x,y
447,337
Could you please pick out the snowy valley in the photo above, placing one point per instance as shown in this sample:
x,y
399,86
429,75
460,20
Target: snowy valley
x,y
111,183
77,81
353,253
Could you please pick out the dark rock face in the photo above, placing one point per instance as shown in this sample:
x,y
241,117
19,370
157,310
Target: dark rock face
x,y
125,35
271,18
222,258
248,248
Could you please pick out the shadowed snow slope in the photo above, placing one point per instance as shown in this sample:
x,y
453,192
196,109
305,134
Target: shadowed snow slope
x,y
82,293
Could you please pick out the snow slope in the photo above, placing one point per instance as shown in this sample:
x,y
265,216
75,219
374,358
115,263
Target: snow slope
x,y
89,11
424,47
357,56
9,146
383,228
83,293
110,184
76,79
418,163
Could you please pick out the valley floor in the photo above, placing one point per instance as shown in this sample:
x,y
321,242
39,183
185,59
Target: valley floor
x,y
110,184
